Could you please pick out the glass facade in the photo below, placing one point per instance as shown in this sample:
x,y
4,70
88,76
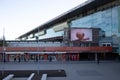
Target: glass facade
x,y
55,31
106,20
51,33
119,17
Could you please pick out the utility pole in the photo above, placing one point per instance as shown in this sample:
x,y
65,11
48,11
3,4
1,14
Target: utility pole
x,y
4,49
38,50
4,60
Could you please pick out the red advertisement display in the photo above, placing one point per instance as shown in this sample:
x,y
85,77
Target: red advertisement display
x,y
81,34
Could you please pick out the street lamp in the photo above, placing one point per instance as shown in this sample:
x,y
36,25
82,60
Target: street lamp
x,y
4,49
37,38
4,58
38,53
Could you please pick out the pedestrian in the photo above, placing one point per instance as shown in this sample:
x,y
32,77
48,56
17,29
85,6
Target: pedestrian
x,y
19,59
36,59
4,60
98,60
15,59
50,58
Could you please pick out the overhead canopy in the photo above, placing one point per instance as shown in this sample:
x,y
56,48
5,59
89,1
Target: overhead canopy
x,y
46,52
14,52
35,52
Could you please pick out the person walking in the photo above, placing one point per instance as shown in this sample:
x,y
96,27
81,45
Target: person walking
x,y
50,58
15,59
98,60
19,58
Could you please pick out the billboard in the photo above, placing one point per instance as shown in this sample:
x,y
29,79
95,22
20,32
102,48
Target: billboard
x,y
81,34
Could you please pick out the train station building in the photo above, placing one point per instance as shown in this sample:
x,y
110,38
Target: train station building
x,y
90,31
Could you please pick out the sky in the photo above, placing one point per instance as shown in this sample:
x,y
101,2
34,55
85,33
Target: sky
x,y
20,16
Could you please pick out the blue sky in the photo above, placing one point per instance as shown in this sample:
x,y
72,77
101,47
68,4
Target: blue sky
x,y
20,16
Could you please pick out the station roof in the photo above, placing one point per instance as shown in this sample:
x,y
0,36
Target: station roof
x,y
86,6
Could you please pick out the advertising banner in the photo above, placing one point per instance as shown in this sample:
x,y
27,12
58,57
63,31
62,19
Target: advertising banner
x,y
81,34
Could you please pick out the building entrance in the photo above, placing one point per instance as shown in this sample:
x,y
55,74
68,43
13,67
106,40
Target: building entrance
x,y
52,57
72,57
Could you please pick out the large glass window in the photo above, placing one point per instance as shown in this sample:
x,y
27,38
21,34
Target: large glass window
x,y
106,20
119,17
51,33
55,31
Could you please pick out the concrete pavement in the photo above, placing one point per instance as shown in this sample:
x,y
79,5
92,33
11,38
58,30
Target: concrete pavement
x,y
75,70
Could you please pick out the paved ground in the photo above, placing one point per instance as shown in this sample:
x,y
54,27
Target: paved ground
x,y
82,70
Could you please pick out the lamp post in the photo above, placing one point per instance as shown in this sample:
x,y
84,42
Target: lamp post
x,y
4,57
4,49
4,60
37,57
37,38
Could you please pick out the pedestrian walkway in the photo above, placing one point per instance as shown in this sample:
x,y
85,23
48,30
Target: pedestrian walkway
x,y
75,70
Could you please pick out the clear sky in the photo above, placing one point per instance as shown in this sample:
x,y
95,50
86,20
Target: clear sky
x,y
20,16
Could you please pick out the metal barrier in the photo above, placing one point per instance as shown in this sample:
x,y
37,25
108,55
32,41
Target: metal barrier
x,y
44,77
9,77
31,76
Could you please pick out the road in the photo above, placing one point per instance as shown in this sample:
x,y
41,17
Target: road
x,y
75,70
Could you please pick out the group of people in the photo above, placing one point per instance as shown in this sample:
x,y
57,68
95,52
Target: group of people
x,y
17,59
49,58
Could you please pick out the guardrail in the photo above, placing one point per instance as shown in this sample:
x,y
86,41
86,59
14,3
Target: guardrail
x,y
9,77
44,77
31,76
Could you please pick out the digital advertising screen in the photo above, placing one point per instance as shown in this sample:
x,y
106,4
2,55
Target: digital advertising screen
x,y
81,34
